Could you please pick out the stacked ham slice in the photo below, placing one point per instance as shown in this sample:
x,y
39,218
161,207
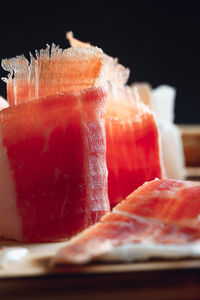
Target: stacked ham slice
x,y
56,148
132,138
75,140
53,175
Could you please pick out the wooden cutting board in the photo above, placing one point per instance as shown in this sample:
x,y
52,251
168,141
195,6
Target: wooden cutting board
x,y
33,278
37,263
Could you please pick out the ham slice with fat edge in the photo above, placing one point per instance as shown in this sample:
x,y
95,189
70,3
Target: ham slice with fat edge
x,y
159,219
53,175
132,138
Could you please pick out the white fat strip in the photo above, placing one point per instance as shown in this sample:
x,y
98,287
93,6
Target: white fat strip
x,y
10,221
172,148
162,102
139,219
144,251
92,145
148,220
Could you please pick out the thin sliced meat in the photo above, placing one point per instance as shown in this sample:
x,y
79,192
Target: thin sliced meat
x,y
133,147
162,102
160,215
133,153
53,150
52,71
53,175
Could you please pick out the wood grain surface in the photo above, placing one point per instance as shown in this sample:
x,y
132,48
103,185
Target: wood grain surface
x,y
191,144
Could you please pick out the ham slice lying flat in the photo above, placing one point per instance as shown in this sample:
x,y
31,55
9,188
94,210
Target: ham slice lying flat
x,y
161,218
133,149
53,175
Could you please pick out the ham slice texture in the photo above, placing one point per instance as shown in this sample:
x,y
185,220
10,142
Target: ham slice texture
x,y
161,101
53,176
53,153
52,71
161,218
132,137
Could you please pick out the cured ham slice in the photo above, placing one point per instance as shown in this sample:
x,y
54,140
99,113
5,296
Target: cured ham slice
x,y
54,152
52,71
133,149
53,175
133,153
162,216
162,101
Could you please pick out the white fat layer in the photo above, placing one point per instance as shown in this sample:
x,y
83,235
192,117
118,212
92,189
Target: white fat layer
x,y
10,221
143,251
172,150
139,219
162,102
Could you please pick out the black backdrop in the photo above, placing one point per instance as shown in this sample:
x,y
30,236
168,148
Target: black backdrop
x,y
158,40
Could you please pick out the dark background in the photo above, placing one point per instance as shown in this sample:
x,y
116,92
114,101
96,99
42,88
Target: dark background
x,y
158,40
